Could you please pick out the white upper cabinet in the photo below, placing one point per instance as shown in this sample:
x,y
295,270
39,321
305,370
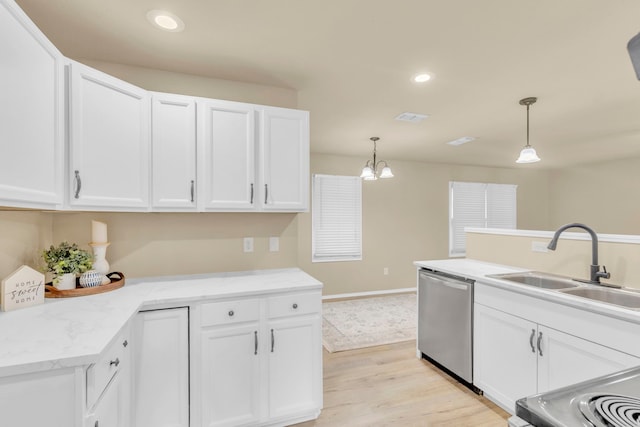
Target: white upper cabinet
x,y
226,156
284,154
173,146
31,114
133,150
108,142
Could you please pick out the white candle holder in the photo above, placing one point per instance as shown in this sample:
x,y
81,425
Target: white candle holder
x,y
100,263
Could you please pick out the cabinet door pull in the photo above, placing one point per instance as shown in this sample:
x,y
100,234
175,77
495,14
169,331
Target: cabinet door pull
x,y
255,342
125,343
231,313
114,362
533,333
78,185
193,188
295,306
266,193
273,341
96,424
539,343
251,201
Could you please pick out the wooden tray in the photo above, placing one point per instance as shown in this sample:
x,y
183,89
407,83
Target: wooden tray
x,y
116,282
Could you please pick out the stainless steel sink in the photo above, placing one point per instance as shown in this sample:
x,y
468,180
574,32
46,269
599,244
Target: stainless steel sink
x,y
619,297
538,279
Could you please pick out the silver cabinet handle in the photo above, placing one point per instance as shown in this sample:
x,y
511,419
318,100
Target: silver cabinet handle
x,y
266,193
193,187
273,341
533,333
114,362
295,306
255,342
231,313
97,424
78,185
539,342
251,201
125,343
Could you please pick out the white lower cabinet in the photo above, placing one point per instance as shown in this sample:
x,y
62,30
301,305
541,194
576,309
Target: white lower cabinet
x,y
230,385
516,357
257,361
108,385
50,398
504,364
161,368
294,380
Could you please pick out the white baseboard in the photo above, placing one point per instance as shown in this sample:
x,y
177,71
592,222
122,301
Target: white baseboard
x,y
368,294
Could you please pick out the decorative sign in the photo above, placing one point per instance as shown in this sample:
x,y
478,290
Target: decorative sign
x,y
22,288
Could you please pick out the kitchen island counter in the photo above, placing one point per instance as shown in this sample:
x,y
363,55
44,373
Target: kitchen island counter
x,y
480,271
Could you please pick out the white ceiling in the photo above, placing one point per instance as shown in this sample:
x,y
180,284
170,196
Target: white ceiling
x,y
351,62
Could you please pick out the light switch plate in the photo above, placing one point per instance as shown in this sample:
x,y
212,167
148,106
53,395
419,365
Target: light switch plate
x,y
274,244
539,247
248,244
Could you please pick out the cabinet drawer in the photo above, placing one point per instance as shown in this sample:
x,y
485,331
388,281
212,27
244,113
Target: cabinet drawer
x,y
228,312
294,304
112,360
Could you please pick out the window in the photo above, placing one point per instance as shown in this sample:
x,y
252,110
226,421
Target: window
x,y
336,218
475,204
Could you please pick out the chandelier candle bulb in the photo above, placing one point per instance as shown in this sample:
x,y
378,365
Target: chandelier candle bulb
x,y
98,232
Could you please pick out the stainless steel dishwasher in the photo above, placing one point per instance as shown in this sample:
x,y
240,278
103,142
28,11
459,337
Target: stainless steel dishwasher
x,y
445,322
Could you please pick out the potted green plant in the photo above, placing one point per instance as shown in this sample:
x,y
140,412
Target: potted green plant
x,y
66,261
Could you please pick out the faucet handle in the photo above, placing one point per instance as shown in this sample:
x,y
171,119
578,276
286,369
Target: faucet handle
x,y
604,274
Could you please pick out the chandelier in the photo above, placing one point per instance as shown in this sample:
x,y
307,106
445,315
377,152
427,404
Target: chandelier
x,y
373,169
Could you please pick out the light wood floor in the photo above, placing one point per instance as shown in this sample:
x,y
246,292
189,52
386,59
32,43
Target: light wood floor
x,y
389,386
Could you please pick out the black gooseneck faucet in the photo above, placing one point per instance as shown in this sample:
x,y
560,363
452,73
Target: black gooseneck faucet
x,y
596,274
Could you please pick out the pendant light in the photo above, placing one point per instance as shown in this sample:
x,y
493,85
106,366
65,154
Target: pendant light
x,y
528,153
373,170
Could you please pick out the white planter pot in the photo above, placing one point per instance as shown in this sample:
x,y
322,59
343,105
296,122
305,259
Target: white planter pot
x,y
65,282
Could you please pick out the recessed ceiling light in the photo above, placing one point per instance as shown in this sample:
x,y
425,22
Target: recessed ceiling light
x,y
462,140
166,21
421,78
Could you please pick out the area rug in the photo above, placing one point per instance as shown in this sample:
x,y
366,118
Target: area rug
x,y
367,322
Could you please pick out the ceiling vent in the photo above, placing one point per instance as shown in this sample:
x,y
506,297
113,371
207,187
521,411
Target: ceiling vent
x,y
411,117
461,141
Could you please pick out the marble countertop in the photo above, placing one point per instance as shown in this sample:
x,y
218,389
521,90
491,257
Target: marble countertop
x,y
70,332
479,270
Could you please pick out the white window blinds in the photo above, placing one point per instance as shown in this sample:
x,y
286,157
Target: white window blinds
x,y
474,204
336,218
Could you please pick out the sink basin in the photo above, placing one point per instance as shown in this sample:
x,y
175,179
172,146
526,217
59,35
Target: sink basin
x,y
538,279
622,298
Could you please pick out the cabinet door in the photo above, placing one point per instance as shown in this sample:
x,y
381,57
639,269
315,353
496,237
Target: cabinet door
x,y
112,408
504,359
565,359
295,366
31,113
161,384
230,376
56,395
173,145
284,159
226,156
109,142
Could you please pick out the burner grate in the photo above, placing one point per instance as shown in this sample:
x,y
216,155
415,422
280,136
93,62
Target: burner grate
x,y
611,410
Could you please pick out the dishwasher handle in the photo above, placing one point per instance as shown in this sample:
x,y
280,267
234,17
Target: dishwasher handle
x,y
447,281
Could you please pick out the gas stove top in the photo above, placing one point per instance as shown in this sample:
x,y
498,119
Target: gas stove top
x,y
609,401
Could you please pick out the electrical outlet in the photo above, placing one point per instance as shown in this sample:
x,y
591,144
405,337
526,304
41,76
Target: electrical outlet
x,y
385,271
539,247
248,244
274,244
